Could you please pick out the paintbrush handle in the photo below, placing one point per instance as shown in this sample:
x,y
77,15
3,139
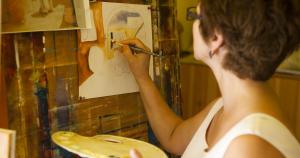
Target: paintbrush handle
x,y
138,49
141,50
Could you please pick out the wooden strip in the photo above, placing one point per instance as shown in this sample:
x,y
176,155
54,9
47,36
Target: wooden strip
x,y
298,114
3,101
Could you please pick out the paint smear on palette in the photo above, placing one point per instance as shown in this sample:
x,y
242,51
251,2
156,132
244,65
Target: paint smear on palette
x,y
104,145
110,73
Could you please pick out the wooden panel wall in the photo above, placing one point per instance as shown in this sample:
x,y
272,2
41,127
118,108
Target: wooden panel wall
x,y
288,89
56,59
199,87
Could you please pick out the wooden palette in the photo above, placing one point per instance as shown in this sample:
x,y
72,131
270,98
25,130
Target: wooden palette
x,y
104,146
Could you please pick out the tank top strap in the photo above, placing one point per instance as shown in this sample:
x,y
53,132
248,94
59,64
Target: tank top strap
x,y
209,117
213,111
198,143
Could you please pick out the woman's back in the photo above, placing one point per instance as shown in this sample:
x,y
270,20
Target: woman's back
x,y
261,125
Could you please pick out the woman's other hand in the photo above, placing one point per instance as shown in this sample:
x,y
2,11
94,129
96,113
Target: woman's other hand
x,y
135,154
139,62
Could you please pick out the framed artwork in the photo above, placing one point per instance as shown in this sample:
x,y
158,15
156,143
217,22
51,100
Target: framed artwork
x,y
44,15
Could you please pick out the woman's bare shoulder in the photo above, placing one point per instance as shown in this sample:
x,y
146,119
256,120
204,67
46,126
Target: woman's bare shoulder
x,y
249,146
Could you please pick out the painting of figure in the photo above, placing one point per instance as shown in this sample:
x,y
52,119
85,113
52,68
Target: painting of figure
x,y
103,70
41,15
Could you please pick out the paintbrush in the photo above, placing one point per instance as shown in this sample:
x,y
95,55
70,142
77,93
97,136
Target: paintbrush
x,y
138,49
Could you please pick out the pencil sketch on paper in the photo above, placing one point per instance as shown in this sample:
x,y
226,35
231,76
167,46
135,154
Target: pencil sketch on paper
x,y
103,70
43,15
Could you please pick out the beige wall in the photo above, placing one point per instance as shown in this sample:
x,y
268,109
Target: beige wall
x,y
186,40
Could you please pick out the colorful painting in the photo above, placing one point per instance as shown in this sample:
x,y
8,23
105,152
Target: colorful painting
x,y
103,70
44,15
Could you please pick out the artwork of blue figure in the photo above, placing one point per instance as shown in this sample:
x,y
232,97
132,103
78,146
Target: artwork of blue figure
x,y
41,86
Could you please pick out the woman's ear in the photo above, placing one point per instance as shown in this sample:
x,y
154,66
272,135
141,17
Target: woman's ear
x,y
216,42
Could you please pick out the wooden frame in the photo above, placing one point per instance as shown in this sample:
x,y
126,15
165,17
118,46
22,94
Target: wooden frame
x,y
3,101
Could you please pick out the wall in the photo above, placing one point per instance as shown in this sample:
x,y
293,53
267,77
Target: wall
x,y
184,26
3,107
42,96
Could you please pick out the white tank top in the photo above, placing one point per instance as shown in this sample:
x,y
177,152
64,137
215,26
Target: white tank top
x,y
258,124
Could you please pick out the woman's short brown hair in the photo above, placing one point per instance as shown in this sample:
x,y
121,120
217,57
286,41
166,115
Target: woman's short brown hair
x,y
259,34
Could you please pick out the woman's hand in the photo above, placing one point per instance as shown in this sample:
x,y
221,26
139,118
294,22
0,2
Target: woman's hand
x,y
135,154
139,62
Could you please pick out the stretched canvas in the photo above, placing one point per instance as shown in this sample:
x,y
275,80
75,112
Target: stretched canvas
x,y
7,143
103,70
44,15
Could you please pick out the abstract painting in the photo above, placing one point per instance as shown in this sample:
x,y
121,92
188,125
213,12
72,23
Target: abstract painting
x,y
103,70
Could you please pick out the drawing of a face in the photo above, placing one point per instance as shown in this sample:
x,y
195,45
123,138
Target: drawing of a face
x,y
122,25
96,61
98,64
108,71
120,65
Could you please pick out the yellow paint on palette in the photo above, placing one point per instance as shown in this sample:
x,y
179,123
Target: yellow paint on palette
x,y
104,146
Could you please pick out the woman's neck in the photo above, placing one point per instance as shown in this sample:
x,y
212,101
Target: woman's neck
x,y
243,95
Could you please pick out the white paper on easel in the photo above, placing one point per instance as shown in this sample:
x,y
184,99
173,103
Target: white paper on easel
x,y
89,34
111,74
83,16
7,143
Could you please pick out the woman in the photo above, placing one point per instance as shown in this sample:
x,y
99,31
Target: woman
x,y
243,42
